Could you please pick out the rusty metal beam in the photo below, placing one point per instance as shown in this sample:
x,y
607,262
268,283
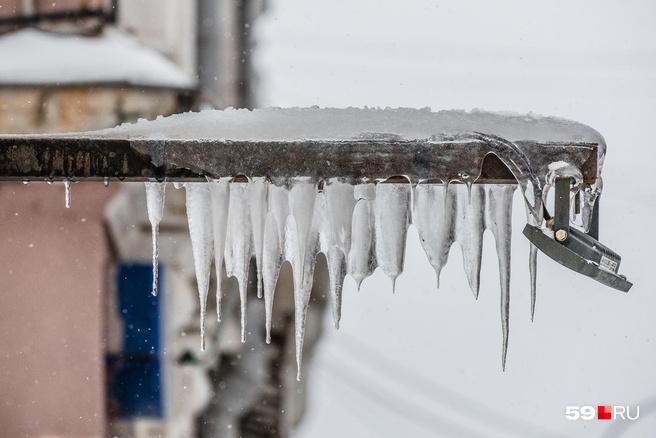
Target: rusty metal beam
x,y
77,158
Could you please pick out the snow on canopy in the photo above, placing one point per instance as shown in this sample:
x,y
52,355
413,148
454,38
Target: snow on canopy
x,y
39,58
283,124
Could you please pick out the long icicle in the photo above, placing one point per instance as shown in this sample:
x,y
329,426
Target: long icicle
x,y
258,211
338,207
273,247
499,220
532,269
238,248
271,263
199,216
220,195
301,244
155,195
470,225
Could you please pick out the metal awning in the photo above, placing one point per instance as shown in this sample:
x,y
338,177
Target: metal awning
x,y
79,158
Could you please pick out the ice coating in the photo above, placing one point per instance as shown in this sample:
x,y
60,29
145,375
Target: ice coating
x,y
199,216
155,193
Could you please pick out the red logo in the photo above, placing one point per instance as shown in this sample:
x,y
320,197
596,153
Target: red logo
x,y
604,412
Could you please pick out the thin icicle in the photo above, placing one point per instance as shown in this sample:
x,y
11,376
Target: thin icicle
x,y
258,211
155,194
301,245
238,248
470,225
220,196
67,193
271,263
392,211
499,220
435,218
362,256
199,215
533,273
339,203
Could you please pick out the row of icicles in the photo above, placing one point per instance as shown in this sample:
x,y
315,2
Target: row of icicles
x,y
357,228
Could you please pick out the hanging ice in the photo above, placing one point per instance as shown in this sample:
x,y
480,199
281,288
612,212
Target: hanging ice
x,y
199,216
258,194
338,206
220,197
499,218
392,217
362,256
435,219
301,247
155,192
470,225
238,243
67,193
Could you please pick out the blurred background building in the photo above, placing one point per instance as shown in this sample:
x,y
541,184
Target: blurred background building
x,y
107,358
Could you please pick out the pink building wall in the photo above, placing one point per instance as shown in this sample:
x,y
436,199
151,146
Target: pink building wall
x,y
52,280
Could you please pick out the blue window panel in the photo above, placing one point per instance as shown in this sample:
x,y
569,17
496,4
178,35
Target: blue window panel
x,y
134,375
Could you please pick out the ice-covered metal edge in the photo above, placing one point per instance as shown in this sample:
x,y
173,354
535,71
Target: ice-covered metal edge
x,y
59,158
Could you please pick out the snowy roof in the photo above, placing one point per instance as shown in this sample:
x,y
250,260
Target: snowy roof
x,y
33,57
290,124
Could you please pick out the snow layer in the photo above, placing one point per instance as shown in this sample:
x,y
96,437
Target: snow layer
x,y
39,58
289,124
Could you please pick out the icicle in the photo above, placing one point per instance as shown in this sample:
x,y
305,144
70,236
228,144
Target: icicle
x,y
435,219
301,244
273,246
271,263
338,206
199,216
258,211
392,217
238,243
533,274
155,194
67,193
220,196
499,220
470,225
362,256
